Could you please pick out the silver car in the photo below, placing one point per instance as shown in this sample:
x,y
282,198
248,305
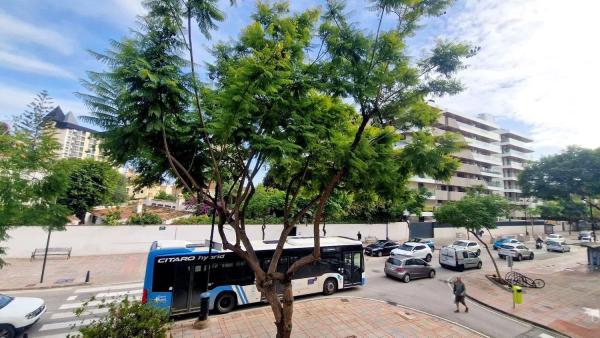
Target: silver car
x,y
407,268
558,247
517,250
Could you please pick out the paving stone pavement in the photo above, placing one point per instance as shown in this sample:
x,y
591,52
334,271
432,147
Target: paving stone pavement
x,y
569,303
25,273
329,317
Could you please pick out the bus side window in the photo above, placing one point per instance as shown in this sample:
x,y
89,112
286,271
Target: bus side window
x,y
163,277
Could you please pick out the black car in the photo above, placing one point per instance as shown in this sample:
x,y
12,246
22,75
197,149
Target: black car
x,y
381,248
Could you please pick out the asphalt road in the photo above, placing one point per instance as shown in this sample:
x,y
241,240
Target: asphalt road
x,y
430,295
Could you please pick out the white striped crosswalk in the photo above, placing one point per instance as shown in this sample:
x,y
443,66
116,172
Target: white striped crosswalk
x,y
61,320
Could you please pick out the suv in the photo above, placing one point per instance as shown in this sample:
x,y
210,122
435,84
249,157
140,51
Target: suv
x,y
411,249
407,268
452,257
585,236
380,248
467,245
517,250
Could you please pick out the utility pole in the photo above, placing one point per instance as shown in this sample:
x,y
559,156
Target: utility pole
x,y
45,255
592,219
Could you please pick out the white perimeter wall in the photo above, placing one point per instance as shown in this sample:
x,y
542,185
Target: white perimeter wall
x,y
106,240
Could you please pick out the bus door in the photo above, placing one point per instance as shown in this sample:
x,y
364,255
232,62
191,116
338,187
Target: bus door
x,y
352,268
188,284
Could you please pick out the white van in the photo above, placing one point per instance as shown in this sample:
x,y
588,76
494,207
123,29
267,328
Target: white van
x,y
458,258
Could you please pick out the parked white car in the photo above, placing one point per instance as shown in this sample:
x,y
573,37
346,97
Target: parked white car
x,y
19,313
557,247
411,249
467,245
555,238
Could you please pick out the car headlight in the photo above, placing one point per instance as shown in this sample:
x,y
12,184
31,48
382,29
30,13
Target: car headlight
x,y
35,312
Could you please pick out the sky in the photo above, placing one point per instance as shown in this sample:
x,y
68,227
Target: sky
x,y
536,71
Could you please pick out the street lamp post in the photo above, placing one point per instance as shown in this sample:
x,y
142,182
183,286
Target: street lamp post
x,y
45,255
592,219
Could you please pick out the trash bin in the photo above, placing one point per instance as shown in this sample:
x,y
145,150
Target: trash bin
x,y
517,294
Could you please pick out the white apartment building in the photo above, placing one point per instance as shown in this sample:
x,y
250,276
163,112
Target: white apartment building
x,y
492,158
75,141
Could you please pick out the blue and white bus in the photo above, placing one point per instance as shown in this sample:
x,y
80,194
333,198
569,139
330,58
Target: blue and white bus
x,y
176,272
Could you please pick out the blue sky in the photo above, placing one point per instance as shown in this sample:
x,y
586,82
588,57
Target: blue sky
x,y
535,72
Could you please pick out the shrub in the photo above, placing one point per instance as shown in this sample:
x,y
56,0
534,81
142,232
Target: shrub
x,y
112,218
165,197
202,219
125,319
145,218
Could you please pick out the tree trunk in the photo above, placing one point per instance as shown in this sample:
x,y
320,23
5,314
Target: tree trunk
x,y
282,310
487,248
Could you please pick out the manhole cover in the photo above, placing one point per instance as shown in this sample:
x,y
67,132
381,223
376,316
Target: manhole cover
x,y
64,280
375,270
345,300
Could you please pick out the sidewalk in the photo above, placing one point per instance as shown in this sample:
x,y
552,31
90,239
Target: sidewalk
x,y
25,274
569,302
328,317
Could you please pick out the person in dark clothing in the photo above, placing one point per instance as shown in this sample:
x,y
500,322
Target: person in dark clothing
x,y
460,291
358,235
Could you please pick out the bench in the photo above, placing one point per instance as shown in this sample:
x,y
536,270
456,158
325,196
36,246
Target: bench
x,y
51,252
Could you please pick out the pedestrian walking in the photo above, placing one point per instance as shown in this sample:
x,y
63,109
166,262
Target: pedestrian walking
x,y
358,235
460,291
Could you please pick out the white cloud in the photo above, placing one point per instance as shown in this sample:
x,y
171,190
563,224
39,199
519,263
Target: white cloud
x,y
14,101
538,65
31,65
120,12
15,31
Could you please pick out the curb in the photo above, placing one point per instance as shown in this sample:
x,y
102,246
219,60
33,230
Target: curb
x,y
547,328
47,287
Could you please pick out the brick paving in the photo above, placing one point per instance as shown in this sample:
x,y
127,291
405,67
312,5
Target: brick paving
x,y
569,302
23,273
328,317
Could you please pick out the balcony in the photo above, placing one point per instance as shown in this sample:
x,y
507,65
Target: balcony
x,y
514,143
491,172
517,154
494,160
465,182
515,190
491,147
511,178
491,135
513,165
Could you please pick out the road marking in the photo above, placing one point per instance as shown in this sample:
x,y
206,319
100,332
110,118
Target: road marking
x,y
543,335
60,335
112,287
63,315
94,303
65,325
71,298
118,293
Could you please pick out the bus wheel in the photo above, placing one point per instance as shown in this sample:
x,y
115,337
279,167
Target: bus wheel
x,y
225,302
330,286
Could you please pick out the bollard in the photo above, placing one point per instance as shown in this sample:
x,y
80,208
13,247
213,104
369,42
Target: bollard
x,y
202,320
87,277
204,298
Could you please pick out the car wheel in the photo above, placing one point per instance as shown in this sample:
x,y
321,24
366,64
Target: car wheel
x,y
225,302
7,331
478,252
461,268
531,256
428,258
432,274
330,286
379,254
547,249
519,257
479,265
501,256
406,278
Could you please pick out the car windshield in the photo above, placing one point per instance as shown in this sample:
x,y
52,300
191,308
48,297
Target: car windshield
x,y
508,247
460,243
406,247
379,243
394,261
553,236
4,300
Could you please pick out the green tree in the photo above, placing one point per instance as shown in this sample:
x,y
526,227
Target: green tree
x,y
90,183
475,212
571,175
30,183
31,122
165,197
272,107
